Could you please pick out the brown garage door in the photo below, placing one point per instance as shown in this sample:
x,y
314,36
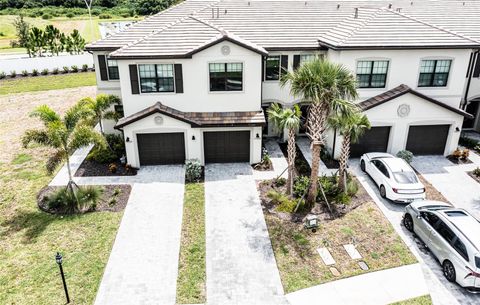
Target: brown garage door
x,y
161,148
427,139
226,146
373,140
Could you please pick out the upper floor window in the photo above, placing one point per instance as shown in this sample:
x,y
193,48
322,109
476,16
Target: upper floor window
x,y
156,78
226,76
372,74
112,69
434,73
272,68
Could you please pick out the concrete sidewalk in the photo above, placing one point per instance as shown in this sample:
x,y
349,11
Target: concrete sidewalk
x,y
381,287
303,144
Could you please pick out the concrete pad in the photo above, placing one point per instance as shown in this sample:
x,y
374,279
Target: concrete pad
x,y
352,251
327,258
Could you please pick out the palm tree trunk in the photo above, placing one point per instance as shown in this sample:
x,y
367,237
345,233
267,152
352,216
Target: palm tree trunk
x,y
343,162
291,159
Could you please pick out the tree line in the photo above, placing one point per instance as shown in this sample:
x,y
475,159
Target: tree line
x,y
51,40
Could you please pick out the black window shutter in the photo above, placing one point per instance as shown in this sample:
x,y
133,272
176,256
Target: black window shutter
x,y
476,71
178,78
263,68
102,63
134,79
296,62
284,63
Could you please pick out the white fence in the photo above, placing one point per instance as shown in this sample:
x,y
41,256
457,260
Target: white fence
x,y
21,62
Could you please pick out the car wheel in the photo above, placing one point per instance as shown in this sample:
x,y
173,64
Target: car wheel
x,y
383,192
408,222
362,165
449,271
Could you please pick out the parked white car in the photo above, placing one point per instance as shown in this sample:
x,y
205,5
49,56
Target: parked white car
x,y
452,235
395,179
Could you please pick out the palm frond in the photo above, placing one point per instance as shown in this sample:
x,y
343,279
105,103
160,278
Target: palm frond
x,y
55,160
284,118
45,114
36,136
77,112
84,135
112,115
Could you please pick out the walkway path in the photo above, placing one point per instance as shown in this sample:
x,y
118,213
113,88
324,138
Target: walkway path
x,y
241,267
304,144
143,264
375,288
279,162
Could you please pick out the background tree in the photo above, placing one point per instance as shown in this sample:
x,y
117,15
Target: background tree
x,y
320,83
36,42
22,28
351,125
148,7
64,135
287,119
53,39
76,43
100,108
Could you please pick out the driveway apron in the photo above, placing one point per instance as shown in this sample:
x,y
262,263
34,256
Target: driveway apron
x,y
241,267
143,265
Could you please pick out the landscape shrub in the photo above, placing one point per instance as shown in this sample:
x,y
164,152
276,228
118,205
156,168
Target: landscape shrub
x,y
468,142
69,15
476,172
66,69
193,170
112,168
55,71
13,74
280,182
352,187
329,185
105,16
34,72
46,16
405,155
116,143
74,69
2,75
282,202
342,198
300,185
24,73
44,72
63,200
2,34
84,68
102,155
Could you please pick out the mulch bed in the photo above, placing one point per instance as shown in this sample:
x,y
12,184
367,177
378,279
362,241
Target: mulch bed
x,y
476,178
104,204
302,168
93,169
431,192
458,161
331,163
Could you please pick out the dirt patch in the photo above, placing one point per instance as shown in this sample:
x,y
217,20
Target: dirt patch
x,y
120,193
15,119
93,169
431,192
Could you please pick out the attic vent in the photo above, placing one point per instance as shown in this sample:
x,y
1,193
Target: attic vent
x,y
356,13
390,6
218,13
399,9
411,3
338,6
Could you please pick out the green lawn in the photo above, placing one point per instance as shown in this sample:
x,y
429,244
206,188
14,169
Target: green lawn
x,y
51,82
30,238
191,270
423,300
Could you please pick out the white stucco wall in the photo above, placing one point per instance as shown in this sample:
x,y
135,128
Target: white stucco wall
x,y
422,112
197,96
193,148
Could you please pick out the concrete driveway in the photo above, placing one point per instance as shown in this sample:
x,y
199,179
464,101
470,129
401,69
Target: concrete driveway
x,y
241,267
143,265
442,291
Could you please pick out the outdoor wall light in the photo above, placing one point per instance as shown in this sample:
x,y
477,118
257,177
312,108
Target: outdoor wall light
x,y
193,138
457,129
127,140
258,136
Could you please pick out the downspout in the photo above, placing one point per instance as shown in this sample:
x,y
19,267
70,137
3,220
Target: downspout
x,y
475,57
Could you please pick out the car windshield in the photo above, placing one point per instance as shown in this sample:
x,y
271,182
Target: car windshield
x,y
477,262
405,177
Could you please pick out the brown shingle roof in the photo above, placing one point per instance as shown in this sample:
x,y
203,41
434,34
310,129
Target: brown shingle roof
x,y
401,90
199,119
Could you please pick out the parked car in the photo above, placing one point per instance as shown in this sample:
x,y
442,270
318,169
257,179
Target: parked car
x,y
452,235
395,179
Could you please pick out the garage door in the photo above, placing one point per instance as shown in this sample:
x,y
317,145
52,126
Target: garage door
x,y
428,139
226,146
373,140
161,148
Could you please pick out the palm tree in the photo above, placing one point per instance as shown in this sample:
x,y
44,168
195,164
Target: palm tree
x,y
320,83
352,125
100,105
65,135
289,119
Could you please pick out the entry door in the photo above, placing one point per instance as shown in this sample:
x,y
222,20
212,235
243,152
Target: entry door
x,y
226,146
427,139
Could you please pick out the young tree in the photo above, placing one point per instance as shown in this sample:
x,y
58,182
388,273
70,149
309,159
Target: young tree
x,y
320,83
100,106
287,119
351,125
36,42
53,39
65,135
22,28
75,42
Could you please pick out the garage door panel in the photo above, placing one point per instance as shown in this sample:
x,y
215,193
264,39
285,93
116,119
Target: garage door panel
x,y
427,139
226,146
373,140
161,148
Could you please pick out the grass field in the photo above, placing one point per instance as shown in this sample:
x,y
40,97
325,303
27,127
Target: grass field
x,y
30,238
50,82
423,300
191,270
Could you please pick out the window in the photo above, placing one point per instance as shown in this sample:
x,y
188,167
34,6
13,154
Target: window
x,y
372,74
156,78
432,219
445,232
272,68
381,167
307,57
459,246
112,69
226,76
405,177
434,73
477,261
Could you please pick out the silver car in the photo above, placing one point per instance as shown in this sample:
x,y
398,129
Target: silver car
x,y
452,235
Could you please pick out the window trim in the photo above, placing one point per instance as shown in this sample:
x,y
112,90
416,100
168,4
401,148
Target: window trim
x,y
372,60
108,70
226,62
435,59
156,78
279,68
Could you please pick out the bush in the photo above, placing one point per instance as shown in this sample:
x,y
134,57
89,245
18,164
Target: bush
x,y
13,74
342,198
352,187
84,68
300,185
34,72
46,16
468,142
2,75
44,72
280,182
329,185
24,73
476,172
55,71
74,69
105,16
405,155
193,170
112,168
66,69
460,154
70,15
2,34
116,143
63,200
102,155
282,202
